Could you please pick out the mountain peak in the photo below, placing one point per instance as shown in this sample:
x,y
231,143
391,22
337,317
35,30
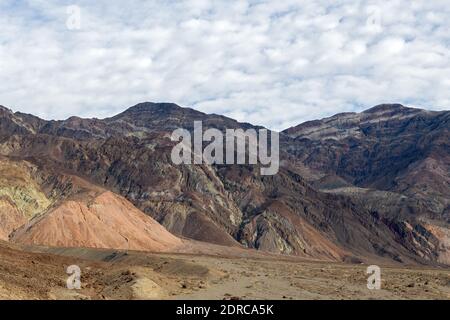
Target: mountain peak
x,y
394,107
5,109
349,124
156,110
153,106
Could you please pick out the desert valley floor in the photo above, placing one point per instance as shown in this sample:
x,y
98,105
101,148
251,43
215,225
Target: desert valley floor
x,y
39,273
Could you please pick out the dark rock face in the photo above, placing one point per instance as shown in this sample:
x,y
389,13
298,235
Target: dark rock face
x,y
372,185
388,147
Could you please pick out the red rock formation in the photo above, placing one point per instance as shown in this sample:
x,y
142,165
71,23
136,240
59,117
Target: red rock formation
x,y
107,221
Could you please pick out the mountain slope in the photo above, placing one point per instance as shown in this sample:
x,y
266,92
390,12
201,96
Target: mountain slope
x,y
41,207
10,218
388,147
106,221
311,208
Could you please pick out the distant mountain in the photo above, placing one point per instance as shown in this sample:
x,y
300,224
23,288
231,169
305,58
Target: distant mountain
x,y
388,147
353,187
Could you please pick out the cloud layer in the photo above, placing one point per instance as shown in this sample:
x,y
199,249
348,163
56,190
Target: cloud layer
x,y
273,63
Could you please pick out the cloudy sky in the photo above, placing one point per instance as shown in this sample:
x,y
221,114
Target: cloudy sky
x,y
273,63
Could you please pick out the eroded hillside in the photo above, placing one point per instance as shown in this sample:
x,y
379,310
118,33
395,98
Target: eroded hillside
x,y
346,189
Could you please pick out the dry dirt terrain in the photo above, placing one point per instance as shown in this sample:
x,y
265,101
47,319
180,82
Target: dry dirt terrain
x,y
112,274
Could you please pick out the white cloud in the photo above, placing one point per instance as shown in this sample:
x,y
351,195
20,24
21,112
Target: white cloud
x,y
270,63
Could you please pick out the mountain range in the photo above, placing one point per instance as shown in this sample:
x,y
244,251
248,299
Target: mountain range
x,y
354,187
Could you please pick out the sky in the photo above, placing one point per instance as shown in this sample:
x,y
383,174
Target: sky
x,y
271,63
